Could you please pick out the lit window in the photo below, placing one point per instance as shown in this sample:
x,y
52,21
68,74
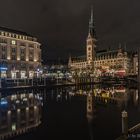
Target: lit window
x,y
2,33
13,42
10,34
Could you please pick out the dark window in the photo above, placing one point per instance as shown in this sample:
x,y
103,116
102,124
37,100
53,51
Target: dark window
x,y
13,50
3,56
22,51
31,55
3,48
13,57
22,58
3,40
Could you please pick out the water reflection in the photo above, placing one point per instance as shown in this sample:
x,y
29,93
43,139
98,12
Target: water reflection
x,y
77,112
119,95
98,99
19,113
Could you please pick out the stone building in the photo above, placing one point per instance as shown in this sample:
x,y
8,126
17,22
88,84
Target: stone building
x,y
110,62
20,54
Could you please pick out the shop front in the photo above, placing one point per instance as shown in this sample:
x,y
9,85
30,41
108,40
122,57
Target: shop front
x,y
3,72
23,74
120,73
31,74
14,74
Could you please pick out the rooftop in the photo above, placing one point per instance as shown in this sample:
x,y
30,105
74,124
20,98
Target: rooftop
x,y
106,52
14,31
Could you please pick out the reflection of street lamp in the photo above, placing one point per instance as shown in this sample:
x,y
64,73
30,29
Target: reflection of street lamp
x,y
57,76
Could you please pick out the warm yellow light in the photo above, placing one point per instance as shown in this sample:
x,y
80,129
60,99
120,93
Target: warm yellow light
x,y
8,58
13,42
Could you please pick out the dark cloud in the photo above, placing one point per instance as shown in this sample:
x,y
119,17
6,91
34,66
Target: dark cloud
x,y
62,25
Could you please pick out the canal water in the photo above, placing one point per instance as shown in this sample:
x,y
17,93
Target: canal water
x,y
64,113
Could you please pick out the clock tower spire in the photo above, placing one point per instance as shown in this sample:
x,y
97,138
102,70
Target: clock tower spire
x,y
91,40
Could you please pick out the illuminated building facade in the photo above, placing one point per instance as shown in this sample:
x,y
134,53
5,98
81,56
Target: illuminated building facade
x,y
20,54
109,62
115,62
135,64
88,61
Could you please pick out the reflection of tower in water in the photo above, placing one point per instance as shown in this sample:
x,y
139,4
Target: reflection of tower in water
x,y
89,106
90,114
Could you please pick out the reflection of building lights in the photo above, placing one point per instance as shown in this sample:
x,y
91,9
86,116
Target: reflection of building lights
x,y
13,127
27,108
25,99
18,110
9,112
22,96
35,107
30,95
137,95
17,101
13,97
40,98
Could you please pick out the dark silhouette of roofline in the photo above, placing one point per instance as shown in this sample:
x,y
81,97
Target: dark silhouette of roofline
x,y
14,31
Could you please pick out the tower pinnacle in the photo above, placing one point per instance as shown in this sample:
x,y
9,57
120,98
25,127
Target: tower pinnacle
x,y
91,24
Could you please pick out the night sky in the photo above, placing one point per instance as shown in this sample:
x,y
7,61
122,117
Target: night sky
x,y
62,25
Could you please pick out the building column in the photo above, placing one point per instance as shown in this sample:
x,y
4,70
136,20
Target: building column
x,y
27,53
18,52
35,53
8,52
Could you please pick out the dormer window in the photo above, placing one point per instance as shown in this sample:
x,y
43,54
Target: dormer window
x,y
120,55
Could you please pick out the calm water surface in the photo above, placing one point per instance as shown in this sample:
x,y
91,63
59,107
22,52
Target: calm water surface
x,y
64,113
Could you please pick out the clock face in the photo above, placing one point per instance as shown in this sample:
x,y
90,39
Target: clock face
x,y
13,42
